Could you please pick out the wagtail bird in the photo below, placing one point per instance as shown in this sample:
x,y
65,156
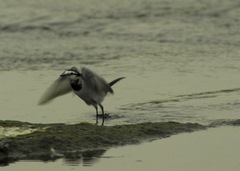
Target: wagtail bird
x,y
88,85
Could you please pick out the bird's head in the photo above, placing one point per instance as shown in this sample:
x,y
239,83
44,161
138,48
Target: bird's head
x,y
72,73
75,78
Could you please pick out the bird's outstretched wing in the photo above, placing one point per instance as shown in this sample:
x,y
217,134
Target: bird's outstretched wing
x,y
58,88
93,81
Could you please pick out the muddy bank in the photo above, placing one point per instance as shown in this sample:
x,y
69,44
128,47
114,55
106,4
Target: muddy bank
x,y
83,140
49,141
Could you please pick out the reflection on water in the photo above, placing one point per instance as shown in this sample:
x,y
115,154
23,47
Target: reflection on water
x,y
73,161
87,158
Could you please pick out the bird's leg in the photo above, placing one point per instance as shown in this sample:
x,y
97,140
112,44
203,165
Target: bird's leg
x,y
96,114
103,115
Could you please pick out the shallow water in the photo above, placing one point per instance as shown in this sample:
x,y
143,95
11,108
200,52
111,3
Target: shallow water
x,y
180,59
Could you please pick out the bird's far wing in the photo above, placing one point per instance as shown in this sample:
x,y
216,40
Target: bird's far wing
x,y
94,81
58,88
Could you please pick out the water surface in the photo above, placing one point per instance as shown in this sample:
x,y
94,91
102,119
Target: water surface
x,y
180,59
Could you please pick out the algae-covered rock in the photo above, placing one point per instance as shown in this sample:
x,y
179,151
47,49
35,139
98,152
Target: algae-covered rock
x,y
70,140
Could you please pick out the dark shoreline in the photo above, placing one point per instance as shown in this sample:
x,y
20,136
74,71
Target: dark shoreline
x,y
52,141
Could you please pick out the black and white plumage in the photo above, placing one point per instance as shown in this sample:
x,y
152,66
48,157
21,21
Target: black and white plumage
x,y
87,85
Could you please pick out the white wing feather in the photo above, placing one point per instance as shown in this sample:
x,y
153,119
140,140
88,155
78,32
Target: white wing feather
x,y
58,88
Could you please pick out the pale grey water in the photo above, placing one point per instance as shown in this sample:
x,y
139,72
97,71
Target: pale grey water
x,y
180,58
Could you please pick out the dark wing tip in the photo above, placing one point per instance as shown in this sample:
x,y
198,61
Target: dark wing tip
x,y
111,90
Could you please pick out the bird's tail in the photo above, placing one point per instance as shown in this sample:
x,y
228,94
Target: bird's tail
x,y
114,82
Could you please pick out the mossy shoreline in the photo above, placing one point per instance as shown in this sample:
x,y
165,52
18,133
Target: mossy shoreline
x,y
69,140
51,141
85,140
